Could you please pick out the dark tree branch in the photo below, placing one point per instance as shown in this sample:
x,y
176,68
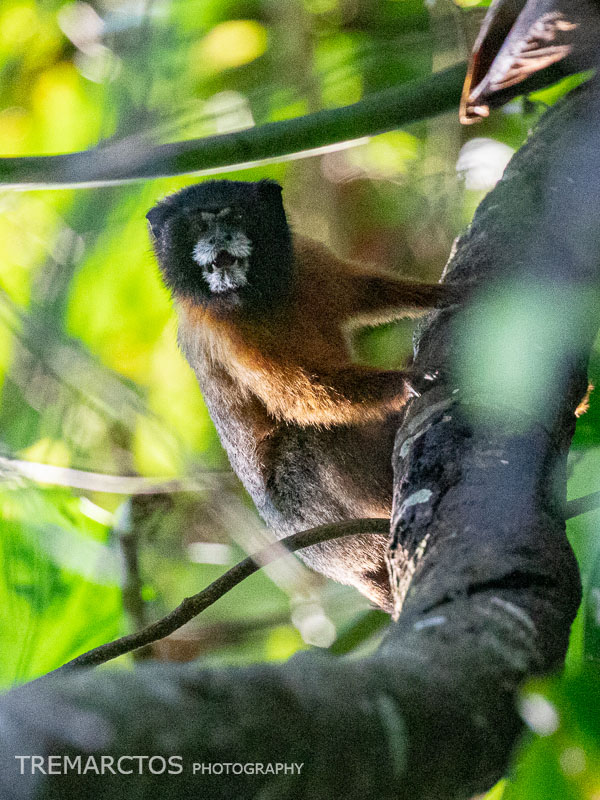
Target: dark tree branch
x,y
128,534
583,505
190,607
134,159
488,582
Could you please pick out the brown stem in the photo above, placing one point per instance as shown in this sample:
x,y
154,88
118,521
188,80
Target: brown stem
x,y
190,607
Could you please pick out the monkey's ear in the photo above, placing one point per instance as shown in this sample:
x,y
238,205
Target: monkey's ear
x,y
269,188
156,217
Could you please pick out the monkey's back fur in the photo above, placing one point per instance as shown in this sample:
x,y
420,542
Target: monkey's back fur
x,y
300,477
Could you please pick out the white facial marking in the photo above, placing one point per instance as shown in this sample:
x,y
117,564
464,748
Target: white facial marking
x,y
223,280
221,238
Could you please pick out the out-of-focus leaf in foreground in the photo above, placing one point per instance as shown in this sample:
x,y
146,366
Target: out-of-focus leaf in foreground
x,y
59,582
560,759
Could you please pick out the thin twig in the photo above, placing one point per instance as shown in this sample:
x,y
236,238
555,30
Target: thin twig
x,y
121,162
581,505
111,484
136,485
194,605
133,602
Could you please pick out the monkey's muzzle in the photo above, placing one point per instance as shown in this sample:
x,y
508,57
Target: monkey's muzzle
x,y
225,272
224,260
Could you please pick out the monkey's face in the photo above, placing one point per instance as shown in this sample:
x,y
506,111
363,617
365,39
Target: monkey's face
x,y
224,243
222,250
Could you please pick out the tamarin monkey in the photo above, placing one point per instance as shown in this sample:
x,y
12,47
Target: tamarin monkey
x,y
263,322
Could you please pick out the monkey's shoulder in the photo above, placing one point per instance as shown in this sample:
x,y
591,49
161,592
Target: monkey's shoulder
x,y
305,332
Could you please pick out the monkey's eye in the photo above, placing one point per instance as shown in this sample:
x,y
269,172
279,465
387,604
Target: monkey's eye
x,y
199,225
237,217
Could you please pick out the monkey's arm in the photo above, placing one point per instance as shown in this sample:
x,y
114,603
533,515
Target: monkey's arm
x,y
291,383
376,297
302,370
351,394
347,290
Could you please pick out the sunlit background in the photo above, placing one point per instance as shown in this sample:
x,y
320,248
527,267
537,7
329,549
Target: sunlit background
x,y
91,378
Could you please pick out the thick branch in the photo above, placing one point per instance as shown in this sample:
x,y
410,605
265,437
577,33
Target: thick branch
x,y
303,136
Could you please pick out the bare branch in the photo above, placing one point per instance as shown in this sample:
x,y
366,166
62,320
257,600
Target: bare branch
x,y
583,505
194,605
109,484
118,163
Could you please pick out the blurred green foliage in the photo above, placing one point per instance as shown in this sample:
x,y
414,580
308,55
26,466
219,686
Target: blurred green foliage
x,y
562,757
90,374
57,567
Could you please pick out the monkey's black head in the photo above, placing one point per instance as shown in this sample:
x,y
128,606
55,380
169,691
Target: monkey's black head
x,y
224,243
